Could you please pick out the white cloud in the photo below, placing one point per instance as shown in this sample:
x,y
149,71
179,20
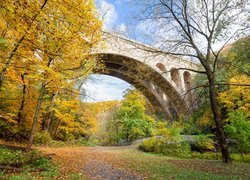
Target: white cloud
x,y
104,88
121,28
107,12
159,32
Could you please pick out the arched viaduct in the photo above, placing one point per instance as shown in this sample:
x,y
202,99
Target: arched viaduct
x,y
156,75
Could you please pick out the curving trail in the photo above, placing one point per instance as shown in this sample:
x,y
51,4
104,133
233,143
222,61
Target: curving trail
x,y
126,162
93,162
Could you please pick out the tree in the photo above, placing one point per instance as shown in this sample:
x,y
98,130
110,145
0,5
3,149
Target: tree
x,y
239,129
45,49
18,24
70,32
136,123
190,29
236,58
130,121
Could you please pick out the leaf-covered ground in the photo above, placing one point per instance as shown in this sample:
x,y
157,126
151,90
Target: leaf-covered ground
x,y
130,163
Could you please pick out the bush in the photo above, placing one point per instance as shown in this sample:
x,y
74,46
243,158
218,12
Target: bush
x,y
42,138
81,142
202,143
30,161
241,158
57,144
77,142
161,146
148,145
217,156
8,129
206,155
181,149
239,129
9,156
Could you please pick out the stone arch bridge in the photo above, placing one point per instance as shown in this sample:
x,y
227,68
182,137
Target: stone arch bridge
x,y
156,75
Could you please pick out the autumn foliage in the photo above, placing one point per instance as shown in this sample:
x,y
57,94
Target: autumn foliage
x,y
45,51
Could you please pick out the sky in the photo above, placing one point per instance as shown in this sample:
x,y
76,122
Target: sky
x,y
103,87
117,17
115,13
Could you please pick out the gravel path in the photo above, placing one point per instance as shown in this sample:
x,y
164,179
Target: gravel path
x,y
101,170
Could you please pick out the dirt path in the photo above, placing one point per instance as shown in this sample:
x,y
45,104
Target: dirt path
x,y
94,162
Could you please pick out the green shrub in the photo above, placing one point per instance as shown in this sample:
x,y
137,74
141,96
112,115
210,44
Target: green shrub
x,y
206,155
76,142
42,138
241,158
181,149
81,142
202,143
148,145
161,146
50,169
239,129
10,156
57,144
30,161
217,156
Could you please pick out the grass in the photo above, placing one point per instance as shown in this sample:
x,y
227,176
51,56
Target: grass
x,y
31,164
39,168
162,167
132,160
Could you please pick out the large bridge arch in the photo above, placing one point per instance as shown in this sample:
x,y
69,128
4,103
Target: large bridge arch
x,y
157,89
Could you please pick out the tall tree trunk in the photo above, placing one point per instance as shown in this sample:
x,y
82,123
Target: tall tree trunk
x,y
56,128
35,119
5,67
51,125
127,135
218,121
20,115
116,132
49,113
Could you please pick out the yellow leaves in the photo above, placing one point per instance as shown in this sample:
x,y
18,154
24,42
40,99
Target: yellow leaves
x,y
9,117
206,120
238,95
55,51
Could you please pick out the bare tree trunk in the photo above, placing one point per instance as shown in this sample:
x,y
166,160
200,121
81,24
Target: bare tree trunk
x,y
218,121
20,115
35,119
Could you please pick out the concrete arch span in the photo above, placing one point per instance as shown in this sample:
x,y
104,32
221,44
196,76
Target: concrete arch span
x,y
159,92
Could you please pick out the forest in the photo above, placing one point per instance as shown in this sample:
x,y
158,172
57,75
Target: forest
x,y
45,57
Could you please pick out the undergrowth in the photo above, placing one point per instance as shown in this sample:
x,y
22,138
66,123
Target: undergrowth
x,y
18,164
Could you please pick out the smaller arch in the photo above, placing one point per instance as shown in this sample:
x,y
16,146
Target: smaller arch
x,y
161,67
187,79
175,76
158,90
164,96
153,86
187,84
